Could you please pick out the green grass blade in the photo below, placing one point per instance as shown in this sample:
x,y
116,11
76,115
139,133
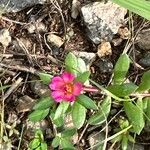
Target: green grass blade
x,y
140,7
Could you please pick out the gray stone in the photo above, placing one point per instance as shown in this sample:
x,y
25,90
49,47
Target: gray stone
x,y
105,66
145,61
18,5
143,39
102,20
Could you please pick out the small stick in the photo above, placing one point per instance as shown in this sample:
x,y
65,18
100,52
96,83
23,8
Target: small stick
x,y
20,68
12,88
49,57
13,21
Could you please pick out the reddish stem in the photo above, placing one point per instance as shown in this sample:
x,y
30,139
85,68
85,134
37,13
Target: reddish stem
x,y
90,89
93,89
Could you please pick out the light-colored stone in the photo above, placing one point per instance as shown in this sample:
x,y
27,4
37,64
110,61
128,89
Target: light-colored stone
x,y
102,20
87,57
5,37
25,103
75,8
117,41
18,5
124,33
40,89
37,26
55,40
104,49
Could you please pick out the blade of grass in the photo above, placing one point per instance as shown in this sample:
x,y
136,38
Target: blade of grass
x,y
140,7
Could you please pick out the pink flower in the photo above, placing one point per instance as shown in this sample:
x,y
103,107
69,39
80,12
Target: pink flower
x,y
64,87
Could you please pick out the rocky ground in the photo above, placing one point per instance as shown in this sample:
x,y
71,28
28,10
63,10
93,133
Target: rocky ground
x,y
37,35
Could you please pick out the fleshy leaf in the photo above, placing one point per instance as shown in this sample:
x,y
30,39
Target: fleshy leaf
x,y
71,63
83,77
123,89
148,109
86,102
69,132
34,143
102,114
124,142
145,82
135,115
43,146
38,115
81,65
66,144
44,102
46,78
121,69
61,109
56,142
78,115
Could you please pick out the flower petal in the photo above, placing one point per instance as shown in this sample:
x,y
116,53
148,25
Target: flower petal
x,y
57,83
68,77
57,95
69,97
77,88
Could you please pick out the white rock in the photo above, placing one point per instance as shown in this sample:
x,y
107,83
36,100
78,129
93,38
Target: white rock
x,y
55,40
102,20
5,37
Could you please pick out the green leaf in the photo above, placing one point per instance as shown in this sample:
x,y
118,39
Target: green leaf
x,y
81,66
124,142
66,144
121,69
140,7
71,63
78,115
46,78
123,89
44,102
59,121
39,134
34,143
135,116
101,116
38,115
83,77
69,132
86,102
148,109
43,146
145,82
61,109
56,142
130,138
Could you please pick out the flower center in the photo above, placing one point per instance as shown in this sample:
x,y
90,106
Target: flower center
x,y
69,88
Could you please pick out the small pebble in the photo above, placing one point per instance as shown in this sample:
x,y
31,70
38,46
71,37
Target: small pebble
x,y
5,37
104,49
